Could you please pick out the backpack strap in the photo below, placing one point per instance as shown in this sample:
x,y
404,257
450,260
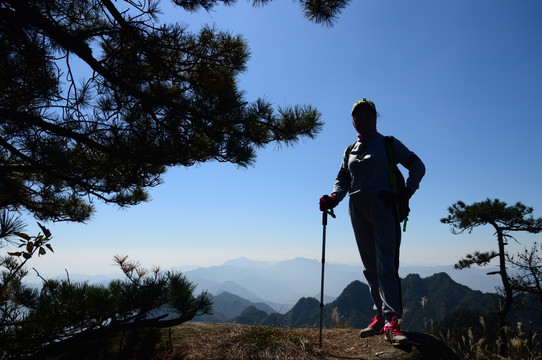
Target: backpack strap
x,y
392,169
388,141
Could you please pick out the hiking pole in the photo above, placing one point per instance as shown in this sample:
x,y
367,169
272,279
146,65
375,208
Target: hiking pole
x,y
324,224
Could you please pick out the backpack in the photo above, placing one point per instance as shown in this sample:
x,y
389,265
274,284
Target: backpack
x,y
397,179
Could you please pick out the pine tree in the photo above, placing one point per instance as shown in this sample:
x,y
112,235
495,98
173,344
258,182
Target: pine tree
x,y
64,316
157,96
505,220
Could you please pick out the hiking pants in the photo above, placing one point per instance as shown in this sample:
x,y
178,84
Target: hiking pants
x,y
378,237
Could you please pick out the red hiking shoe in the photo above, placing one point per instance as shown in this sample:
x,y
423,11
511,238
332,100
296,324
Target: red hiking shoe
x,y
393,333
374,328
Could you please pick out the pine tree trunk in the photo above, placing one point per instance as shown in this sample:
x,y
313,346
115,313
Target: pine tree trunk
x,y
508,295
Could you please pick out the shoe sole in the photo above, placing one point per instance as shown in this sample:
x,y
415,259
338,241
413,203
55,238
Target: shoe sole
x,y
369,333
401,342
404,343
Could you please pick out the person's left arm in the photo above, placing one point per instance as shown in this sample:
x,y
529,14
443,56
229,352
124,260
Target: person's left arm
x,y
411,161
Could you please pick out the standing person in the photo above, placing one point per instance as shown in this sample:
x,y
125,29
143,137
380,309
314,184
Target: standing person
x,y
364,176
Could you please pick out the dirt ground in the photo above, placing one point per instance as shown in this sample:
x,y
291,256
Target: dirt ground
x,y
195,341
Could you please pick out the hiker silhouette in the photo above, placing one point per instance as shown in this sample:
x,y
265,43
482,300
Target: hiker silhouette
x,y
365,175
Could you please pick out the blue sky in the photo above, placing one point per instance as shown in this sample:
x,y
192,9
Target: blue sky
x,y
458,82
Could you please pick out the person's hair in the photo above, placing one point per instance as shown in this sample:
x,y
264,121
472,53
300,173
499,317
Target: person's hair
x,y
364,109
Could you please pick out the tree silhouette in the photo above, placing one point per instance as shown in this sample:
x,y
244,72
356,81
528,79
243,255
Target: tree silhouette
x,y
151,96
64,316
157,96
527,278
505,220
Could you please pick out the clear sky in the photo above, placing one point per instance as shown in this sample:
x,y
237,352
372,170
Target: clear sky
x,y
459,82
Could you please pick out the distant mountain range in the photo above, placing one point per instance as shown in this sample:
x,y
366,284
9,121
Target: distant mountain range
x,y
281,284
426,302
275,288
287,293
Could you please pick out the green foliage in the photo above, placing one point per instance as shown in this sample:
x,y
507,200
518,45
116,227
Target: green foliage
x,y
492,212
152,96
157,96
504,219
14,261
476,258
65,315
32,244
10,224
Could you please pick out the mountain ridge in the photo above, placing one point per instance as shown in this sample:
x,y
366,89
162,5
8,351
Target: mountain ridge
x,y
426,302
282,283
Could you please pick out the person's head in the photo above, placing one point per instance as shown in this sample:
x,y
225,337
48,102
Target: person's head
x,y
364,116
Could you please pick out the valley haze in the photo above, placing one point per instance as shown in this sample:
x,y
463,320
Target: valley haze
x,y
281,284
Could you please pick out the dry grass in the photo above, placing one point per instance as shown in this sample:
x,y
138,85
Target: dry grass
x,y
197,341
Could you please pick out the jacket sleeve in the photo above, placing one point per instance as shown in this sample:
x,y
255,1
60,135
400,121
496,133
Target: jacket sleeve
x,y
344,179
411,161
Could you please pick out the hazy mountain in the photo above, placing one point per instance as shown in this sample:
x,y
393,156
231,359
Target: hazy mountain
x,y
232,305
281,284
427,301
475,278
305,313
251,315
227,306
